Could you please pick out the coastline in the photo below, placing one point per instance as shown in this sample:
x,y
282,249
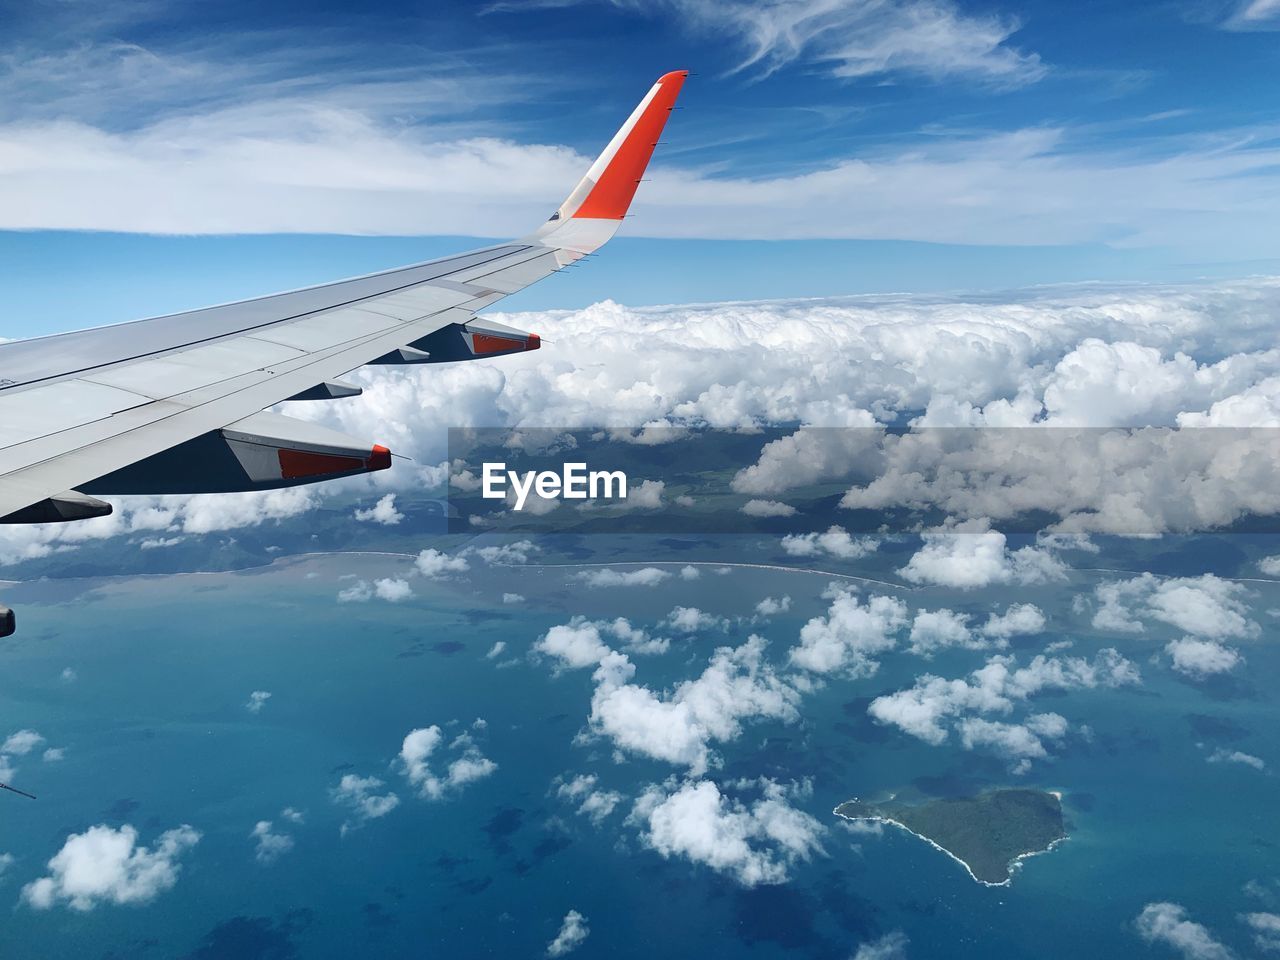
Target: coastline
x,y
1014,865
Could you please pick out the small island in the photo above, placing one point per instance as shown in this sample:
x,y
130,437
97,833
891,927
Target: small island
x,y
989,834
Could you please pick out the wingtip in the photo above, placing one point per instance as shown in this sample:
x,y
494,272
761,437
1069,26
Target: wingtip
x,y
680,75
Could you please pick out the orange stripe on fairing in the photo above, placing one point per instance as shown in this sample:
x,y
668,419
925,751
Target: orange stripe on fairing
x,y
612,194
295,464
488,343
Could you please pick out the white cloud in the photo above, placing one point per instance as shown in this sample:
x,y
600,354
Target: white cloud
x,y
54,755
1020,742
934,630
510,598
1254,14
508,554
835,542
1266,929
768,508
1020,619
644,577
270,846
466,766
577,644
496,650
850,636
678,727
593,803
383,512
892,946
573,933
257,700
1167,924
690,573
358,592
971,557
693,620
1270,566
754,843
924,709
1141,481
362,796
1201,658
7,860
106,865
828,363
1237,756
769,607
435,565
392,590
22,743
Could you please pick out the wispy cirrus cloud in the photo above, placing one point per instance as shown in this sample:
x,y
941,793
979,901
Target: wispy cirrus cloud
x,y
850,38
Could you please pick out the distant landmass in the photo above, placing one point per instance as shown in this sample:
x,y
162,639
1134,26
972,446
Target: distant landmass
x,y
989,833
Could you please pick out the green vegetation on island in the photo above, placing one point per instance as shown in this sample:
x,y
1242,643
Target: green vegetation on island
x,y
988,833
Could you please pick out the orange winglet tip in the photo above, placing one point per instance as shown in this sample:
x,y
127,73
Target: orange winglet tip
x,y
611,195
379,458
533,342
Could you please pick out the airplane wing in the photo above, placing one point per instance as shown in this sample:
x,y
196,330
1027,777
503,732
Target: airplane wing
x,y
173,404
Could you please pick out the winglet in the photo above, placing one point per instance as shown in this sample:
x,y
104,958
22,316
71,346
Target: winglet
x,y
605,192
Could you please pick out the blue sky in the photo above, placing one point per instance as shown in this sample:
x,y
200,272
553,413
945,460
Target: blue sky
x,y
172,154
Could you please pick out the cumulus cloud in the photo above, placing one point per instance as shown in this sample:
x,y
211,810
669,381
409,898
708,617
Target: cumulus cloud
x,y
257,700
925,709
1168,924
768,508
507,554
836,542
769,606
1201,658
680,726
467,763
1266,930
383,512
850,636
1020,619
831,363
106,865
753,842
892,946
693,620
573,933
644,577
436,565
1019,742
934,630
361,795
974,557
391,589
21,743
592,802
269,845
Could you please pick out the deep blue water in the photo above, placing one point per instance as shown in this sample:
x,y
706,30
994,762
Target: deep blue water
x,y
156,734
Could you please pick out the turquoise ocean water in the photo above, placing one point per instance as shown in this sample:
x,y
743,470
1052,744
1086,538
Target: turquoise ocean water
x,y
156,734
